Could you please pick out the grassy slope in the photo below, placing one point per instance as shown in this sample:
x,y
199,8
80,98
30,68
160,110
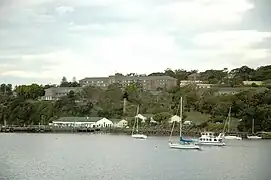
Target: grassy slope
x,y
196,117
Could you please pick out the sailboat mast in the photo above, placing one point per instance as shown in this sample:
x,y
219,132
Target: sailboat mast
x,y
252,126
137,112
229,121
135,123
181,115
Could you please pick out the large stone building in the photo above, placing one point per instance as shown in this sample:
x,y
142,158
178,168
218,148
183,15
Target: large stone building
x,y
148,82
194,77
54,93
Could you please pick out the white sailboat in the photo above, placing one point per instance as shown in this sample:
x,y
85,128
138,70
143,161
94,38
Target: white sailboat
x,y
137,135
182,144
230,137
253,137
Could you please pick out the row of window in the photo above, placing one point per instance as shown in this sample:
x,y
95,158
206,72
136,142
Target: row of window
x,y
203,139
208,139
129,81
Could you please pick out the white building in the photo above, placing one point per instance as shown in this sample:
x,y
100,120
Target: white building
x,y
103,123
259,83
153,121
174,118
141,117
187,122
187,82
89,122
121,124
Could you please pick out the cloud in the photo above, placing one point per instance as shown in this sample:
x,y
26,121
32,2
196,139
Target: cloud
x,y
231,39
47,40
64,9
199,13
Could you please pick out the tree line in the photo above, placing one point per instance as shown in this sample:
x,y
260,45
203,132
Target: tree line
x,y
232,78
22,105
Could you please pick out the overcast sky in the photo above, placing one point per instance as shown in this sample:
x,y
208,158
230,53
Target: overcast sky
x,y
43,40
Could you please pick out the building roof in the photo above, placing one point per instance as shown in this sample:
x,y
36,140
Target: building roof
x,y
63,89
175,118
78,119
95,79
130,78
140,116
104,119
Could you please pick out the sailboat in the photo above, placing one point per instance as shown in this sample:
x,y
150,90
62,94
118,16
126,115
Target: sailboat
x,y
137,135
253,136
230,137
183,143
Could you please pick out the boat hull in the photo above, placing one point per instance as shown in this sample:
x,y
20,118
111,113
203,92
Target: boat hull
x,y
183,146
139,136
211,143
233,138
254,137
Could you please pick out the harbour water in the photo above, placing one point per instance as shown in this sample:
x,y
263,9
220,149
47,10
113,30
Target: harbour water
x,y
118,157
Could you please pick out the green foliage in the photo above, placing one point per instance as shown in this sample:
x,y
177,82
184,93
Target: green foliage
x,y
162,117
66,83
33,91
6,89
213,76
203,107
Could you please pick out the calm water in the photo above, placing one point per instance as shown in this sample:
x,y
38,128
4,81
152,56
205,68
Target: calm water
x,y
86,156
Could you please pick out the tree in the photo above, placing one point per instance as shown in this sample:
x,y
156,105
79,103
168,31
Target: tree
x,y
6,89
213,76
244,73
262,73
26,109
64,82
33,91
162,117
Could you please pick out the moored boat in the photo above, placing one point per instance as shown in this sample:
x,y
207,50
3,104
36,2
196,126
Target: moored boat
x,y
183,143
137,135
253,137
209,139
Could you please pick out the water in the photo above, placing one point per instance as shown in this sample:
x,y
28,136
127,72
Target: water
x,y
106,157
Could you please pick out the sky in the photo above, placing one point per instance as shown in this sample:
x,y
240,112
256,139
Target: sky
x,y
42,41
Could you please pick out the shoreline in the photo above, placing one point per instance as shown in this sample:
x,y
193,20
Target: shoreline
x,y
121,131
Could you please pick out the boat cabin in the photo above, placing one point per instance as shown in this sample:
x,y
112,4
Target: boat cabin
x,y
210,137
209,134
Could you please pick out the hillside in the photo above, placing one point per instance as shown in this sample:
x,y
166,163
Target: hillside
x,y
26,108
